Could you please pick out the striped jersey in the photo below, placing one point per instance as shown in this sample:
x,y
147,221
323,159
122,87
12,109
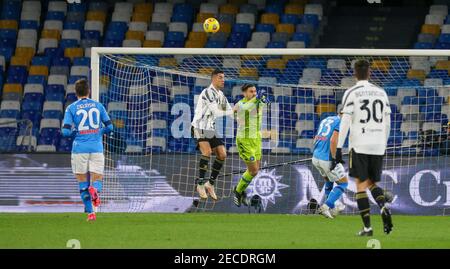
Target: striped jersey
x,y
368,106
211,104
249,118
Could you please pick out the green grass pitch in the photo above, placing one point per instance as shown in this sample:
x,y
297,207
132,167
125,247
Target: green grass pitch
x,y
214,230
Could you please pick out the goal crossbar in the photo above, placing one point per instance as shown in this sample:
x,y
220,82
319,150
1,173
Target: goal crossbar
x,y
97,51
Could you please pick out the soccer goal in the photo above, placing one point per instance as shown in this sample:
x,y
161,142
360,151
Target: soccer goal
x,y
150,94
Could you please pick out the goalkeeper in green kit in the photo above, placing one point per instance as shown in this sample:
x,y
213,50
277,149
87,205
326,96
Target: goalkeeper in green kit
x,y
248,113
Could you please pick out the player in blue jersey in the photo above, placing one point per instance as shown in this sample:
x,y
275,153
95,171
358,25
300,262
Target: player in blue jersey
x,y
87,120
325,143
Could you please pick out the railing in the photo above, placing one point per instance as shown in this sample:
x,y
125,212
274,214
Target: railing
x,y
25,139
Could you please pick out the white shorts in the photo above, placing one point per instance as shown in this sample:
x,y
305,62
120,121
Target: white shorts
x,y
324,169
84,162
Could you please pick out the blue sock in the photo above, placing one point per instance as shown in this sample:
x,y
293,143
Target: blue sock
x,y
85,197
335,194
98,184
328,188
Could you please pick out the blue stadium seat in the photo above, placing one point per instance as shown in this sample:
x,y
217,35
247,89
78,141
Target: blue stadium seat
x,y
7,42
276,45
236,44
290,18
311,19
174,44
54,93
40,60
175,36
183,8
91,34
182,17
444,38
7,53
264,27
112,43
17,74
68,43
299,36
61,61
239,37
242,28
427,92
73,25
435,73
8,33
77,7
54,52
49,136
118,26
27,24
37,79
277,8
31,105
7,139
437,117
115,35
55,15
423,45
65,144
442,46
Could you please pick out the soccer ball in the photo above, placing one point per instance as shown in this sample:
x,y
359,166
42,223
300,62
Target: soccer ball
x,y
211,25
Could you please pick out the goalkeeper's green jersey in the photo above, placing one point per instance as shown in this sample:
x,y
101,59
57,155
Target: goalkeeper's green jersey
x,y
249,118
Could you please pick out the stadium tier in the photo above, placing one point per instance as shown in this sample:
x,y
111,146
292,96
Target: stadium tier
x,y
45,48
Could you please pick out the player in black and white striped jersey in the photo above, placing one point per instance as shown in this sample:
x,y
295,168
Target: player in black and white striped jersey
x,y
366,113
211,105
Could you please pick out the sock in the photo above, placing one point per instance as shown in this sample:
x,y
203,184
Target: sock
x,y
216,167
364,207
378,195
98,184
335,194
202,169
85,197
244,182
328,188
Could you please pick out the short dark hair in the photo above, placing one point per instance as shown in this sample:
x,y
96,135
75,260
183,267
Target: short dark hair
x,y
216,72
362,69
246,86
81,87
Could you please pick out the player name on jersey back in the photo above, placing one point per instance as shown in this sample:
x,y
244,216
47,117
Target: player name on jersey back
x,y
86,116
369,107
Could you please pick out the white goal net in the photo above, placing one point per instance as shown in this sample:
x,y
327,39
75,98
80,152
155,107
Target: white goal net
x,y
150,94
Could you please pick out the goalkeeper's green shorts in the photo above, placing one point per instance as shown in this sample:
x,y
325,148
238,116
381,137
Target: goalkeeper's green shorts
x,y
249,149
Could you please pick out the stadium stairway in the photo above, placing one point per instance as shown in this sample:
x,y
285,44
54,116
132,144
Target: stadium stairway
x,y
369,27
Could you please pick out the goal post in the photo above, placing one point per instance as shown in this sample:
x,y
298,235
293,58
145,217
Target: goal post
x,y
150,93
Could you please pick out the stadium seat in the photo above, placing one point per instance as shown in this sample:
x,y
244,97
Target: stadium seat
x,y
294,9
270,18
304,146
433,29
52,110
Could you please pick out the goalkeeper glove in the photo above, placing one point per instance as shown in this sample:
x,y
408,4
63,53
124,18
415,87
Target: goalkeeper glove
x,y
263,99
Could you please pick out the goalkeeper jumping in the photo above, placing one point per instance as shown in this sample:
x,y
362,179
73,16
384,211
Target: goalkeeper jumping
x,y
248,113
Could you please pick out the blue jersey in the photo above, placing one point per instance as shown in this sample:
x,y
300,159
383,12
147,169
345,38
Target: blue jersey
x,y
85,118
323,137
